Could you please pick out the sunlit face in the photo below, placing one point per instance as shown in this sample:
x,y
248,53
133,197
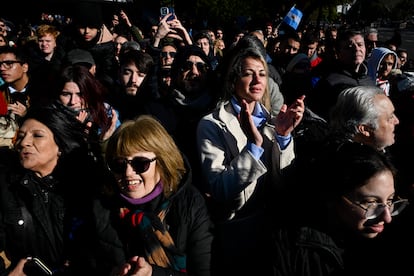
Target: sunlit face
x,y
17,71
291,46
138,185
131,78
253,80
119,41
402,57
220,44
204,44
352,52
384,135
72,97
168,53
311,49
87,33
37,148
378,189
386,66
47,43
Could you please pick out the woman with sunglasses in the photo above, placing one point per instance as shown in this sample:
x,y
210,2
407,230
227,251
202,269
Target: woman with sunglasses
x,y
153,220
337,227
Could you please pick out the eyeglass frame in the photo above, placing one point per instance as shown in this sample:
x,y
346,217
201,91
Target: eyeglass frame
x,y
378,205
146,161
8,64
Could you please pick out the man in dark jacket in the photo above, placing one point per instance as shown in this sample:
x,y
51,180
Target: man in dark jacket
x,y
349,69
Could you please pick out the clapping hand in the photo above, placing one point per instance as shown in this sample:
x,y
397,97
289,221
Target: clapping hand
x,y
248,126
290,117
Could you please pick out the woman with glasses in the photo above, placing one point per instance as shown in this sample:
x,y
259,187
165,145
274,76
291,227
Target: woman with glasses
x,y
335,230
152,219
243,151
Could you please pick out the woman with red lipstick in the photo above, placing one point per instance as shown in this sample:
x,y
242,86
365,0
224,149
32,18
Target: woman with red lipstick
x,y
353,198
37,186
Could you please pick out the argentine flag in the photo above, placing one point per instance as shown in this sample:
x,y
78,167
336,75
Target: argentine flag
x,y
293,18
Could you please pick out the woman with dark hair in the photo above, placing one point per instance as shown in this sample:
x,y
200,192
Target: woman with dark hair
x,y
39,191
78,90
352,199
203,40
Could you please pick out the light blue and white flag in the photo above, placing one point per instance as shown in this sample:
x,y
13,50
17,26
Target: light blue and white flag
x,y
293,18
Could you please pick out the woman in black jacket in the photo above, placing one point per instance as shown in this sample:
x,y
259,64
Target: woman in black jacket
x,y
338,223
153,220
37,185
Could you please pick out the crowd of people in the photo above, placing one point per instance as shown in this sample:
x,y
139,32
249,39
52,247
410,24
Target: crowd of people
x,y
169,151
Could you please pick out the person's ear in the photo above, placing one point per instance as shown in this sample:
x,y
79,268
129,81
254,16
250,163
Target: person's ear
x,y
365,130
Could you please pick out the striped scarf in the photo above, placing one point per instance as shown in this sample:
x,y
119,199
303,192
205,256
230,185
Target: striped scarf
x,y
160,249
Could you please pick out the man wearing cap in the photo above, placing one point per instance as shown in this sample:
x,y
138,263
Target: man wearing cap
x,y
81,57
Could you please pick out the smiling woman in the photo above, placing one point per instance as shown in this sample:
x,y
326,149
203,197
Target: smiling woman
x,y
156,220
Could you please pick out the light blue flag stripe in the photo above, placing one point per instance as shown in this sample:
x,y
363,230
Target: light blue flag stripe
x,y
293,18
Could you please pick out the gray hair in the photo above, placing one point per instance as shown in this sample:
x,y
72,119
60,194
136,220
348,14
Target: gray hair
x,y
355,106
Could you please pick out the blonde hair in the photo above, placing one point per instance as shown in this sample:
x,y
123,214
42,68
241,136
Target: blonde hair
x,y
146,133
45,29
234,72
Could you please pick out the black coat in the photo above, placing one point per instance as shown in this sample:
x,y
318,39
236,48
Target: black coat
x,y
32,214
321,99
38,216
188,223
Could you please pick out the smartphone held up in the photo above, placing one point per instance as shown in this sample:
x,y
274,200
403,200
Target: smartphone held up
x,y
166,10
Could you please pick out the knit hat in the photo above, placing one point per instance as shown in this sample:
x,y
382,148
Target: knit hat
x,y
80,56
88,14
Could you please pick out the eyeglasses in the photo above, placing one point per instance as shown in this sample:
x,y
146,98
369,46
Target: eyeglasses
x,y
8,64
375,209
165,54
201,66
139,164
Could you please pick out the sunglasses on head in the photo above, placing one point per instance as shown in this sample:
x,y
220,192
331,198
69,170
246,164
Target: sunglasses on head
x,y
201,66
139,164
166,54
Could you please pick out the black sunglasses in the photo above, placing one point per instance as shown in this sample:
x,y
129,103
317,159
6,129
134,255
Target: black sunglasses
x,y
139,164
165,54
201,66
